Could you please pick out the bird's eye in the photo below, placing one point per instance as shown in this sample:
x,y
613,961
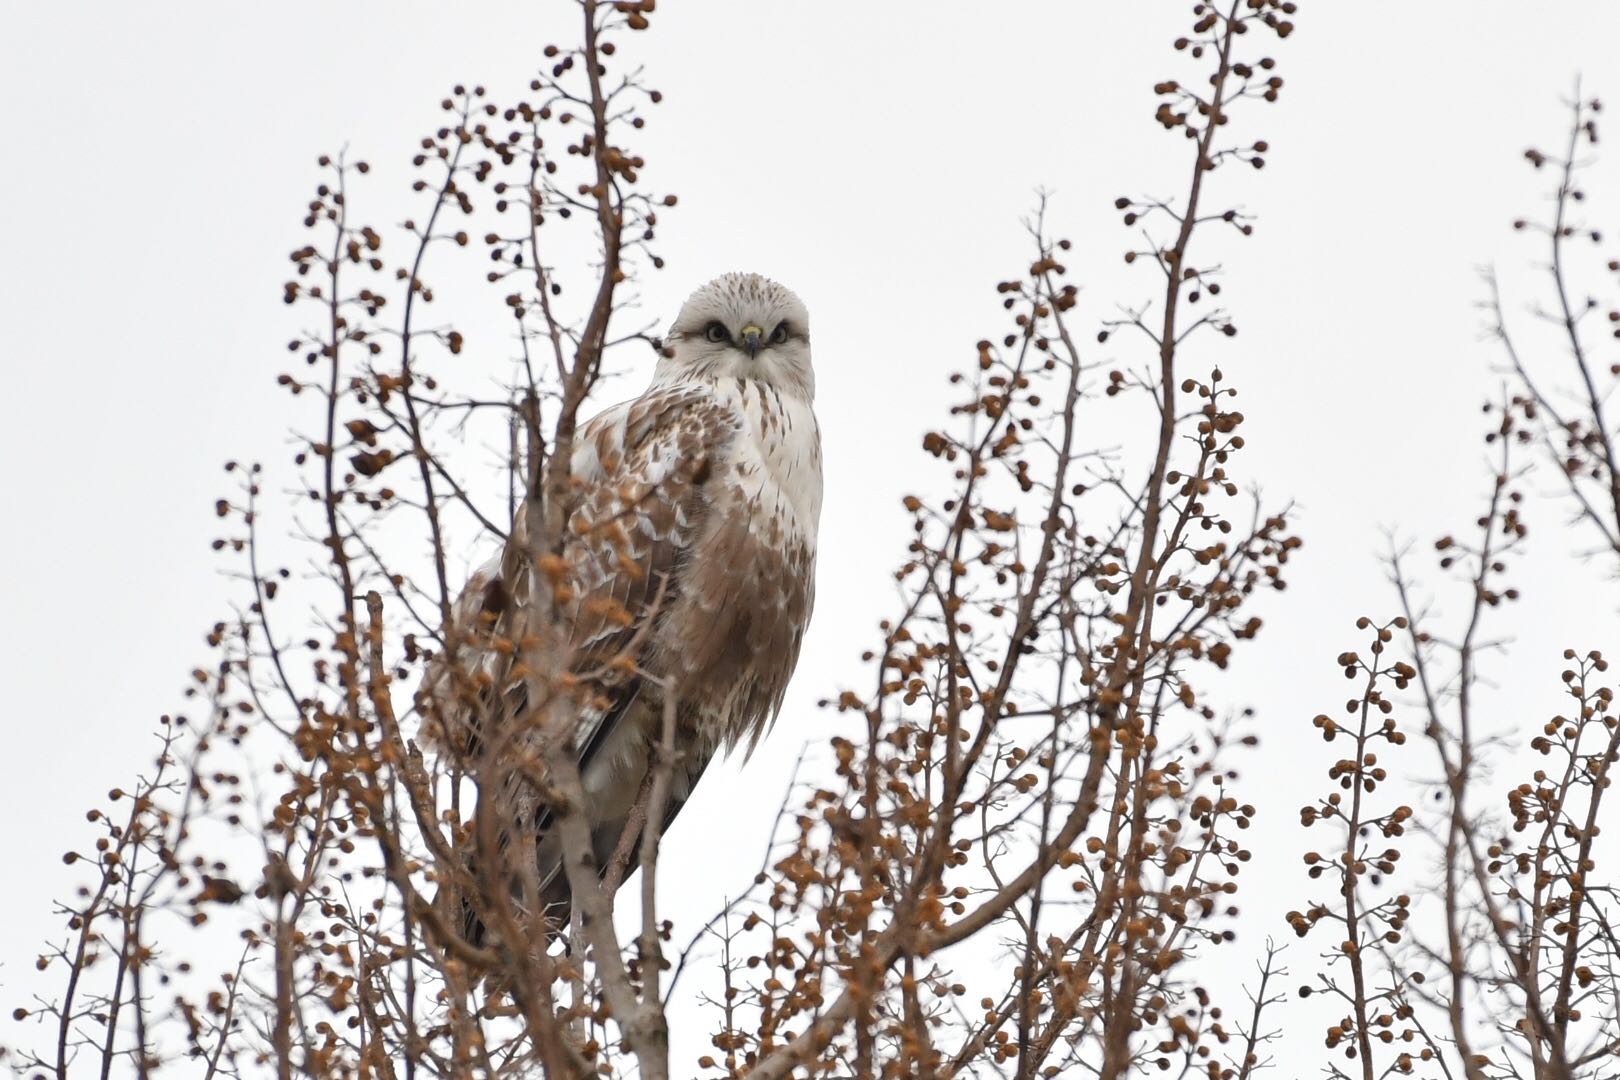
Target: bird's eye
x,y
716,332
779,336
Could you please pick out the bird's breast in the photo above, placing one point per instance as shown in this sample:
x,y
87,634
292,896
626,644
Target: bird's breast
x,y
777,458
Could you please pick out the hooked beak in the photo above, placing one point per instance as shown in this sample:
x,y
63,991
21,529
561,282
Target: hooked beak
x,y
749,338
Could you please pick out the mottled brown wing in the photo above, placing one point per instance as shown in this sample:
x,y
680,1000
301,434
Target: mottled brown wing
x,y
641,468
645,469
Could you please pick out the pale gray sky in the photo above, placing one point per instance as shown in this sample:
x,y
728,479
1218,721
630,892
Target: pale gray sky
x,y
875,157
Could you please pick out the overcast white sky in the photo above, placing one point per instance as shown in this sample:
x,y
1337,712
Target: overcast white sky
x,y
875,157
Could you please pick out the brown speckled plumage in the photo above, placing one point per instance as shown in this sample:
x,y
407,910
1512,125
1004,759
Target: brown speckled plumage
x,y
691,559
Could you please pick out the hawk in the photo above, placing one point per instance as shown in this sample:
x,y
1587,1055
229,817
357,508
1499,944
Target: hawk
x,y
689,567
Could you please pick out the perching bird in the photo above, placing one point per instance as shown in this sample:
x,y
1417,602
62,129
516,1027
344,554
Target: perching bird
x,y
690,561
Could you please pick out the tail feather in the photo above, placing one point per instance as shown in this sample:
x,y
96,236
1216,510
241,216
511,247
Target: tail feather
x,y
555,895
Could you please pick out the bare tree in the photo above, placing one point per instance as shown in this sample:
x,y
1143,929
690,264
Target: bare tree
x,y
1511,971
1026,843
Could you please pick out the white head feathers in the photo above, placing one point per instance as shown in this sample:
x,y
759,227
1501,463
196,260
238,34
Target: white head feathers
x,y
741,326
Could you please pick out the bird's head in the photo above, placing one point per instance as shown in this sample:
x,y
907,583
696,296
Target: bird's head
x,y
741,326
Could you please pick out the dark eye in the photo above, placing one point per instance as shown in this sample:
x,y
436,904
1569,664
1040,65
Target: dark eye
x,y
716,332
779,336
